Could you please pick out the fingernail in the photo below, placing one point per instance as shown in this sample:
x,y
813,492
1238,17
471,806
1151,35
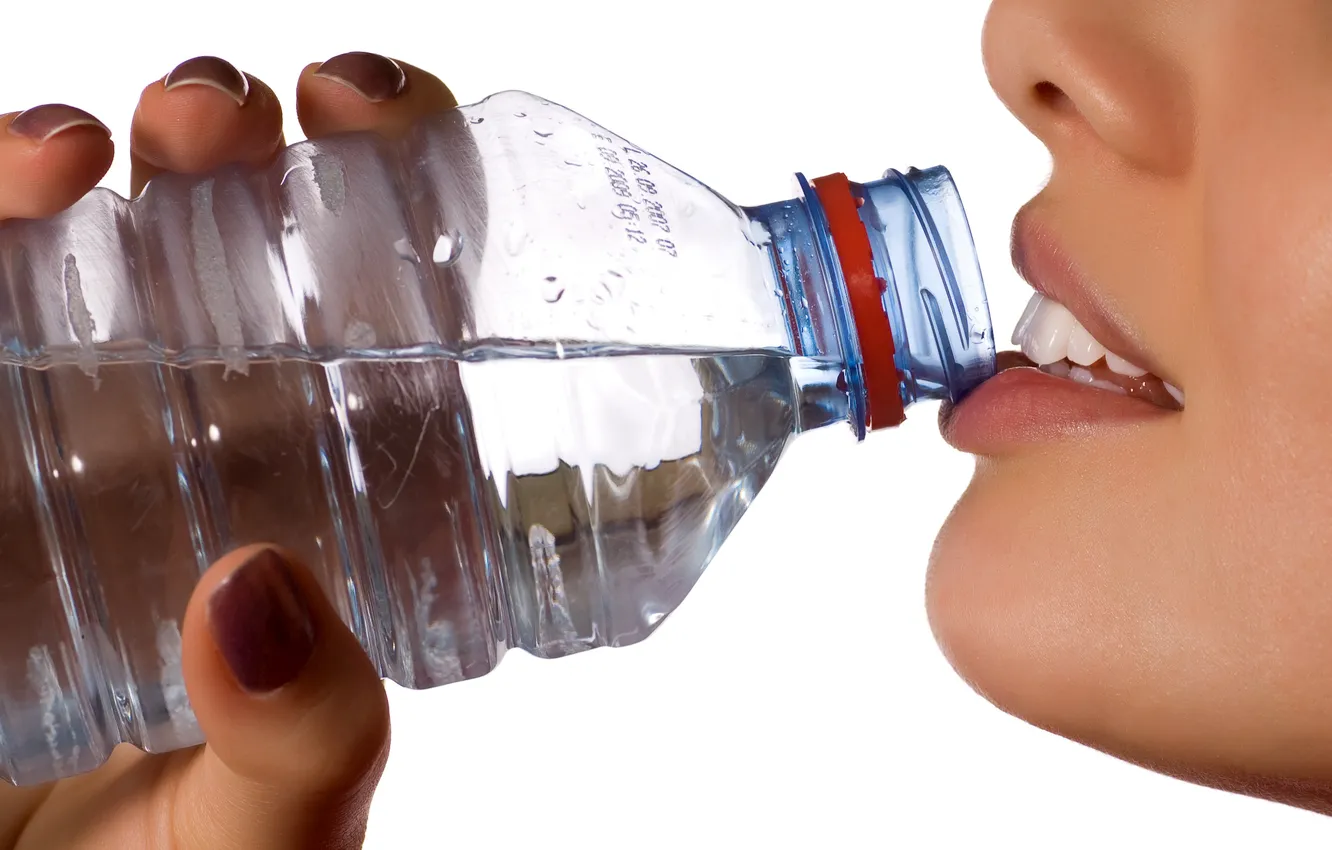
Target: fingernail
x,y
375,78
261,623
212,72
40,123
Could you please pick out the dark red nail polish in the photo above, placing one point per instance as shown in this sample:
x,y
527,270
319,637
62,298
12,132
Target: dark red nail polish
x,y
375,78
262,623
40,123
212,72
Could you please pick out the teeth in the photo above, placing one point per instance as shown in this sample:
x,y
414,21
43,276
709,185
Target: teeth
x,y
1058,343
1046,339
1083,349
1109,385
1123,367
1048,333
1027,315
1059,370
1082,375
1175,392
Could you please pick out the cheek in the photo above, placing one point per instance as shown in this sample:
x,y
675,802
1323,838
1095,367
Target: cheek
x,y
1267,236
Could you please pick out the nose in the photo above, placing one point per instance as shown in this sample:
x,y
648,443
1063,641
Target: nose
x,y
1094,77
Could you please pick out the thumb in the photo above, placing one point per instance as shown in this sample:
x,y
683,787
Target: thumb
x,y
295,715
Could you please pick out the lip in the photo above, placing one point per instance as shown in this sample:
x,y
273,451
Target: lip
x,y
1022,405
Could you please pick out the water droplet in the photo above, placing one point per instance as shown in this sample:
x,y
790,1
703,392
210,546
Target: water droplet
x,y
574,164
612,288
516,241
552,291
544,135
520,115
689,210
359,334
476,119
581,205
448,248
405,250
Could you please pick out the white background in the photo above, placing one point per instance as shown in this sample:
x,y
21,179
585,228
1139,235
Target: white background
x,y
797,699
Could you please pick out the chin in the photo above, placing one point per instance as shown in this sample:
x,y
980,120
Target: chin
x,y
1033,596
1129,643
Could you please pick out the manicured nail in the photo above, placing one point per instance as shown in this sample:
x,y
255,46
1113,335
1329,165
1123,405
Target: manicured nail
x,y
212,72
375,78
40,123
261,623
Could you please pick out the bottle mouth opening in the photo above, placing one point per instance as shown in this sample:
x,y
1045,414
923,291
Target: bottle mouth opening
x,y
916,323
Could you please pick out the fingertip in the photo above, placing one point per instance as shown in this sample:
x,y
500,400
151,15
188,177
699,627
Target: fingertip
x,y
282,689
50,156
367,92
204,114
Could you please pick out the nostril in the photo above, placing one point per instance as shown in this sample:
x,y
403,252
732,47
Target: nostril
x,y
1052,96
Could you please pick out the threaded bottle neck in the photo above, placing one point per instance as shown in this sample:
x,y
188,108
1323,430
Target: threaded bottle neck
x,y
883,277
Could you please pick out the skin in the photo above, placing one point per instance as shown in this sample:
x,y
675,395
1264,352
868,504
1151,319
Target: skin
x,y
291,768
1160,590
1155,590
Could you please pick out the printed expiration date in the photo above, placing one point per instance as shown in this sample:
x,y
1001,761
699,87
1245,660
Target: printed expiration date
x,y
630,177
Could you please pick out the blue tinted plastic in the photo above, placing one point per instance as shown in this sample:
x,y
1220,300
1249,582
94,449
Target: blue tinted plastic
x,y
940,315
934,301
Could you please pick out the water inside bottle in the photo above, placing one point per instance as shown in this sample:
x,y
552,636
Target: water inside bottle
x,y
451,508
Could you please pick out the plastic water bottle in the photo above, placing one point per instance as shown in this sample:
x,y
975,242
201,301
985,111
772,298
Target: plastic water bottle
x,y
507,382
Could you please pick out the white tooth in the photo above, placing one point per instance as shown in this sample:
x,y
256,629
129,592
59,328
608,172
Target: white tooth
x,y
1175,393
1123,367
1083,349
1081,374
1109,385
1025,322
1046,341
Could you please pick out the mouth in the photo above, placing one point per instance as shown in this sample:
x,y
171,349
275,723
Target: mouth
x,y
1079,365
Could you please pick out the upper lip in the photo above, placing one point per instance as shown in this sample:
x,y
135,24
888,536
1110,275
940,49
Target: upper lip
x,y
1041,261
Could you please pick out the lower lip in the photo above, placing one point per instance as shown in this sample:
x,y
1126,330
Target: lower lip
x,y
1023,406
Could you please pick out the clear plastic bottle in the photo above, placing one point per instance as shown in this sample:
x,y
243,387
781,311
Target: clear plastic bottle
x,y
507,382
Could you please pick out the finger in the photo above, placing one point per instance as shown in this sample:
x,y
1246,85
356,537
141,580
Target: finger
x,y
366,91
204,114
295,715
50,156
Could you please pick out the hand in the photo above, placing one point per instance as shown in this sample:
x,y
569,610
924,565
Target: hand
x,y
294,713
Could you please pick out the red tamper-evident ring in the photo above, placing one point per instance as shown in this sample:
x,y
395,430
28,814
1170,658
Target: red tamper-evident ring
x,y
866,294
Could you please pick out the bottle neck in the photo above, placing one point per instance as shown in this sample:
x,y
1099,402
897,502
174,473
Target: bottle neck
x,y
882,279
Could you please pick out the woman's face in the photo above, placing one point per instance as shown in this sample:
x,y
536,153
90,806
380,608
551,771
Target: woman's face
x,y
1157,583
